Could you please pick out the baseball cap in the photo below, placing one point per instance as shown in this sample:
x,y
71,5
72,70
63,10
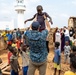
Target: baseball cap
x,y
35,25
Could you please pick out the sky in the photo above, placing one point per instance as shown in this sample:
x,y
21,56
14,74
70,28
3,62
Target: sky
x,y
59,10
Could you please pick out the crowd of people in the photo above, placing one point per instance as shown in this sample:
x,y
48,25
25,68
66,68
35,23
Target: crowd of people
x,y
65,41
15,44
32,46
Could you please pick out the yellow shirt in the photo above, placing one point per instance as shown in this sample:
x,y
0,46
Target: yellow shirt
x,y
14,45
69,73
4,35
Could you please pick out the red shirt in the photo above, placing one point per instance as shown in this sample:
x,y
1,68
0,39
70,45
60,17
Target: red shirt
x,y
18,44
9,55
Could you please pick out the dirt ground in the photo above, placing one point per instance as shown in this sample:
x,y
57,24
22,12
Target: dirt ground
x,y
49,70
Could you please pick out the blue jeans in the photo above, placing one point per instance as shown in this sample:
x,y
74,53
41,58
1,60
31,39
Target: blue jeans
x,y
67,38
25,69
13,72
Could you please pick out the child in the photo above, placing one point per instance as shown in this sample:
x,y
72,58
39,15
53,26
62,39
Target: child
x,y
25,59
14,44
14,62
72,65
57,58
67,50
9,36
40,17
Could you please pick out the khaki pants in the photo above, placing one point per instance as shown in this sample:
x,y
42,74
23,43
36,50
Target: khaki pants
x,y
40,66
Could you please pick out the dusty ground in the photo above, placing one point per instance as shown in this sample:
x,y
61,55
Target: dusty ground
x,y
49,70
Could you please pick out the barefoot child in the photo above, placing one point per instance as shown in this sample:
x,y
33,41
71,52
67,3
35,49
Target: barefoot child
x,y
40,17
57,58
14,62
25,59
67,50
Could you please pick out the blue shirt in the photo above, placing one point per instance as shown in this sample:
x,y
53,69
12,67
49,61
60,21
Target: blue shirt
x,y
37,44
57,56
9,37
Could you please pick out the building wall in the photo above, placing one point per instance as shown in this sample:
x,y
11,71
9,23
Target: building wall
x,y
70,23
74,20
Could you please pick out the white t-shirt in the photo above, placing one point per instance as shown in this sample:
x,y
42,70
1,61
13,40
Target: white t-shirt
x,y
67,50
57,37
25,59
66,32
